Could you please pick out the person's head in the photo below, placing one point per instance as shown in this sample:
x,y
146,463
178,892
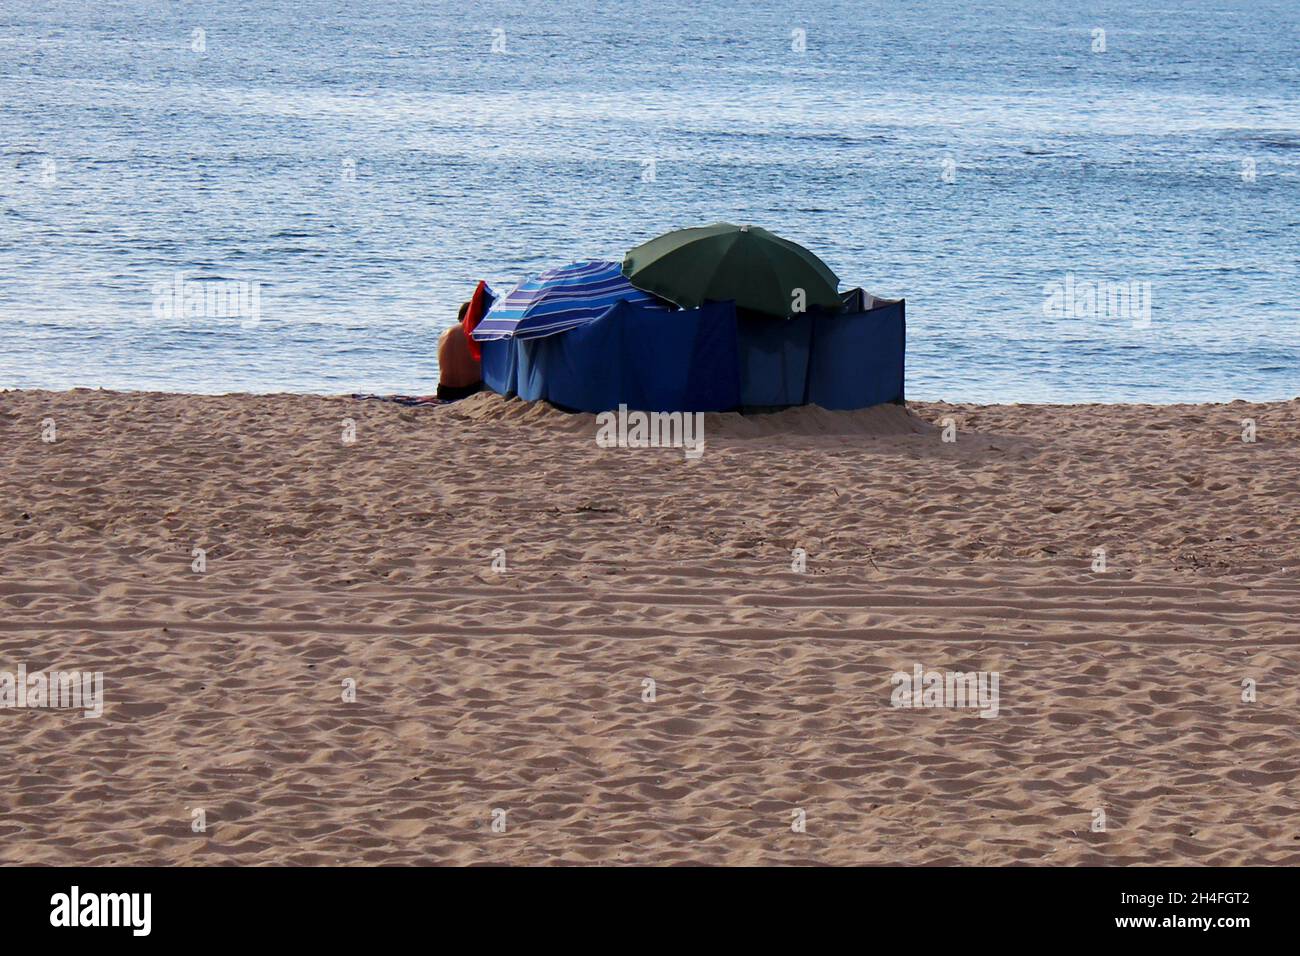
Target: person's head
x,y
464,307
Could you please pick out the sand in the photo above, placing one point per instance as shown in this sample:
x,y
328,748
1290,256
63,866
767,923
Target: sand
x,y
225,737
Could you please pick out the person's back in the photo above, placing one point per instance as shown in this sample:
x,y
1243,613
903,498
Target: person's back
x,y
459,373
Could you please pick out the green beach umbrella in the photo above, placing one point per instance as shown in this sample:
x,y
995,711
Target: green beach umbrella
x,y
758,269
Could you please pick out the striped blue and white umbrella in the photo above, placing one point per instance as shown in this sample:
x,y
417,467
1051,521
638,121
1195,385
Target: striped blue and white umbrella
x,y
560,299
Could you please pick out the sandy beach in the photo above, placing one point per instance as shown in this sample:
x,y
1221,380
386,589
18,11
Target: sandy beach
x,y
502,714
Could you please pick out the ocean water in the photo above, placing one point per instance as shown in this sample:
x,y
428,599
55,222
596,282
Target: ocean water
x,y
362,165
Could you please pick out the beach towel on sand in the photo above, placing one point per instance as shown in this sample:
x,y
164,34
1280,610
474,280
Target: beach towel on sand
x,y
402,399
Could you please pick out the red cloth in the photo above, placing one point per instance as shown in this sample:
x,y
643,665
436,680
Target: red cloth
x,y
479,303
